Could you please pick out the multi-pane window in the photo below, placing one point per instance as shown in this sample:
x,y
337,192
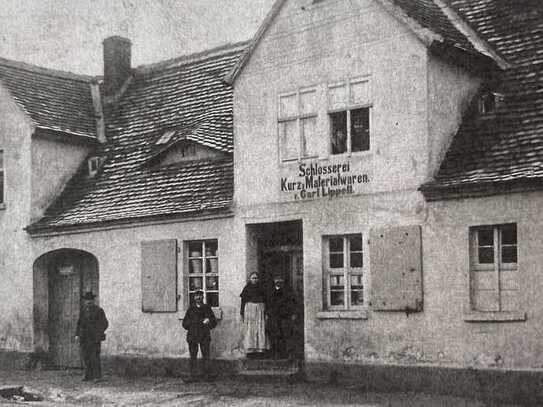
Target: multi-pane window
x,y
297,125
1,176
349,114
344,271
203,270
494,281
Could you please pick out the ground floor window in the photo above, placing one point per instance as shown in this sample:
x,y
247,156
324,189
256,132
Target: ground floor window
x,y
344,271
494,280
203,270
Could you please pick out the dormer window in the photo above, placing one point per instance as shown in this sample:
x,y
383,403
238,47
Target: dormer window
x,y
489,102
94,163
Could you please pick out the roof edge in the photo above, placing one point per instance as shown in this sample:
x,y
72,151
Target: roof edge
x,y
230,77
36,231
191,58
435,192
481,45
46,71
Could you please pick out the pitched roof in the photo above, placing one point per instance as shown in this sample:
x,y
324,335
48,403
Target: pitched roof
x,y
54,100
430,20
500,151
178,96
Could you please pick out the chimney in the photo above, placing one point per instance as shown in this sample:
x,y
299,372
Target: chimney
x,y
116,63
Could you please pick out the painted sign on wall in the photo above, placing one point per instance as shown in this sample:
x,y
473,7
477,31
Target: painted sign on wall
x,y
313,180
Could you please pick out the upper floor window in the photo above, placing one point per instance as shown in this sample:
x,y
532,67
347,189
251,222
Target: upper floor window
x,y
494,280
489,102
1,177
344,271
203,270
349,114
297,125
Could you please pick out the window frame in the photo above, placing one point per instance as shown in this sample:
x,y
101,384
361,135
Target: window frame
x,y
298,119
496,267
346,271
348,106
203,258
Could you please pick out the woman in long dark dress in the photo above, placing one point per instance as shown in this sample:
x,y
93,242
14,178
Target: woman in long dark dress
x,y
253,306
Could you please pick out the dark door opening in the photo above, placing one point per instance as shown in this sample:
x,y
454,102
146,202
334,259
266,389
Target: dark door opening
x,y
279,251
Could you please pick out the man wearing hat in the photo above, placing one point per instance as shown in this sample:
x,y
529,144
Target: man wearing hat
x,y
91,328
199,320
281,311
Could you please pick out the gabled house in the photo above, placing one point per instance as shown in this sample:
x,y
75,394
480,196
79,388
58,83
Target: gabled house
x,y
387,161
383,156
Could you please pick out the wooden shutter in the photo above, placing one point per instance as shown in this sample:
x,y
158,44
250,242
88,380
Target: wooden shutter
x,y
396,269
159,275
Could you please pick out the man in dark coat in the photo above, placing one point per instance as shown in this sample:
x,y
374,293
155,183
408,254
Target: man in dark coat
x,y
199,320
281,311
91,328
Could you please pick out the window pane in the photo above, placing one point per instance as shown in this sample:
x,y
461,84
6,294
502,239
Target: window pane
x,y
212,266
195,283
509,234
360,129
211,248
212,283
360,92
356,281
337,298
336,244
212,299
509,254
336,260
485,236
288,106
289,139
337,96
336,282
486,255
357,297
195,266
339,132
308,103
356,260
355,243
309,137
195,249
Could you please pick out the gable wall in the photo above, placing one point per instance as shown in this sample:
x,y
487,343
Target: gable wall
x,y
53,164
315,45
15,265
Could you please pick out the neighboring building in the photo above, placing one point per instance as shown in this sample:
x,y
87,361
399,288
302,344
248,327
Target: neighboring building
x,y
387,160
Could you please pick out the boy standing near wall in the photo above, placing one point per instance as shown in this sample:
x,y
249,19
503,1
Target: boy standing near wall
x,y
199,320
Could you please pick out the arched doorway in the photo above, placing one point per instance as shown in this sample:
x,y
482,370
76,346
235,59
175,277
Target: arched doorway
x,y
60,278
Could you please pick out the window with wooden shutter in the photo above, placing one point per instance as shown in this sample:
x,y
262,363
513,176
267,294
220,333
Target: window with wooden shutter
x,y
396,269
159,275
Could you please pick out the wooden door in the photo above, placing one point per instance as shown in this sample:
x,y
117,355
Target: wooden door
x,y
64,306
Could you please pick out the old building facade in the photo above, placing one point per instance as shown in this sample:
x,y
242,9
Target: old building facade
x,y
383,156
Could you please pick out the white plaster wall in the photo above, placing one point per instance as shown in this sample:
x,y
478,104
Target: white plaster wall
x,y
53,165
450,91
118,252
15,262
327,43
446,250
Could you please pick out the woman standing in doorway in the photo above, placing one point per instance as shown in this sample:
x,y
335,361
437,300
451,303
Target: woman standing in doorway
x,y
253,305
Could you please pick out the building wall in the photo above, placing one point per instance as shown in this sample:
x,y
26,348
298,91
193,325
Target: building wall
x,y
53,164
15,264
322,44
417,105
450,91
155,334
446,253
